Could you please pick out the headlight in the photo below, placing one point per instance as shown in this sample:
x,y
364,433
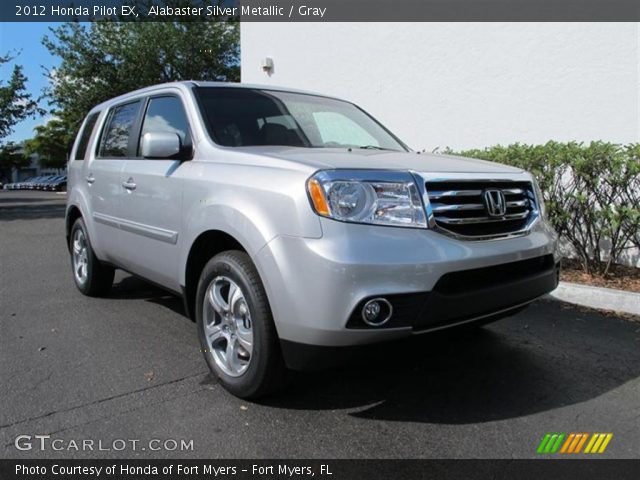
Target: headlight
x,y
378,198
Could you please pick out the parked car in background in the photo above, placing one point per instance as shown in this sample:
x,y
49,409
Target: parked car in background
x,y
58,185
42,182
39,185
45,182
31,184
295,225
19,185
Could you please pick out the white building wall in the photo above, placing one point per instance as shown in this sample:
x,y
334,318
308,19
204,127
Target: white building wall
x,y
464,85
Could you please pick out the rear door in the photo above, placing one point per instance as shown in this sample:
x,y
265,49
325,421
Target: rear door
x,y
152,202
104,177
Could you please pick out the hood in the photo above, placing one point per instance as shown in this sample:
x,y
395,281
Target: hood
x,y
329,158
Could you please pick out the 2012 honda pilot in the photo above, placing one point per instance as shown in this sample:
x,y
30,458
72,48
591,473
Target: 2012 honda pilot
x,y
293,224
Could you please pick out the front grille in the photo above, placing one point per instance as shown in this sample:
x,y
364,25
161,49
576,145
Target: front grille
x,y
460,207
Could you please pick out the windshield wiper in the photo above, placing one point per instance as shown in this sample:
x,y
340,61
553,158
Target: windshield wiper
x,y
372,147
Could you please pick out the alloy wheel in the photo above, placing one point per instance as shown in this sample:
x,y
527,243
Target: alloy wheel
x,y
227,326
80,256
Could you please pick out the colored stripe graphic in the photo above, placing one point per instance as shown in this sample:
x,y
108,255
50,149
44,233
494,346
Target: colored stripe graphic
x,y
604,445
543,443
572,443
570,438
582,440
551,443
594,437
556,446
598,443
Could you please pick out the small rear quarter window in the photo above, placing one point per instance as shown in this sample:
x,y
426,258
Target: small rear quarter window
x,y
85,135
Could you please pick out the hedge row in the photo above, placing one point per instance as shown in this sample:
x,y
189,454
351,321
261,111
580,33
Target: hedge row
x,y
591,192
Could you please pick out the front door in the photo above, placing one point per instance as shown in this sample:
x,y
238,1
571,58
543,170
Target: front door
x,y
152,201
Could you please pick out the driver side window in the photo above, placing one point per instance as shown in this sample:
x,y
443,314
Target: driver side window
x,y
166,115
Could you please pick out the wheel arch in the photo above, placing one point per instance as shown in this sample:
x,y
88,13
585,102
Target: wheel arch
x,y
208,244
72,214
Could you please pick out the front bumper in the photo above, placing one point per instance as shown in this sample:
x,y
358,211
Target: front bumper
x,y
469,295
315,285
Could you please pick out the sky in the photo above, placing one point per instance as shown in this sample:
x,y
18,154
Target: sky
x,y
25,38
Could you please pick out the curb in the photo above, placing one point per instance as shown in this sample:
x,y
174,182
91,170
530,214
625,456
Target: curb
x,y
598,297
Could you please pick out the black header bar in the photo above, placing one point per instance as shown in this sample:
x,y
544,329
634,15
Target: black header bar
x,y
575,469
323,10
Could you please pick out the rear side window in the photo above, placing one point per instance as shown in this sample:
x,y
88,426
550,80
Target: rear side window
x,y
116,135
85,135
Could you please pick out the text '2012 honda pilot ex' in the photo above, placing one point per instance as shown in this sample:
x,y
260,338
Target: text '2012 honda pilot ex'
x,y
293,224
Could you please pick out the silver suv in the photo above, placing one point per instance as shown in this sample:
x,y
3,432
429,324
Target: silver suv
x,y
294,225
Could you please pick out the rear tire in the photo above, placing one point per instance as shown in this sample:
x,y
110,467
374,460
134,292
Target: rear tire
x,y
235,327
90,275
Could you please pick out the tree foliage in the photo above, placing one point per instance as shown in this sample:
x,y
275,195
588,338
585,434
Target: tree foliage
x,y
11,156
109,58
16,103
52,143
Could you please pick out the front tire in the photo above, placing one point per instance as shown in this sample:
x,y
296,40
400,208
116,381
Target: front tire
x,y
235,327
91,276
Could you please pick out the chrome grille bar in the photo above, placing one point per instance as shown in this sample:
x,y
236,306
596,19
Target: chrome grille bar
x,y
455,193
470,193
472,220
459,206
441,207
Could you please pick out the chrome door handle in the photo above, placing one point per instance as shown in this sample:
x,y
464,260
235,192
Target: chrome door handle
x,y
129,184
90,179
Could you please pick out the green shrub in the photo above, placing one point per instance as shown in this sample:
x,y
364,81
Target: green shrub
x,y
591,194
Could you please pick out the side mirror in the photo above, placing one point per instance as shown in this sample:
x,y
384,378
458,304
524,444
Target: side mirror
x,y
160,145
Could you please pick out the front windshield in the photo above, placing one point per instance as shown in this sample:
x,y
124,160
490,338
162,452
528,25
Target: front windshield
x,y
241,117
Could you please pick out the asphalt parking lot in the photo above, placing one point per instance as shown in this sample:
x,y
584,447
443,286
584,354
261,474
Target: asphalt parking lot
x,y
128,367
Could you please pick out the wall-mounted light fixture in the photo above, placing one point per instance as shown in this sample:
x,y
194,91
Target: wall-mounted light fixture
x,y
267,65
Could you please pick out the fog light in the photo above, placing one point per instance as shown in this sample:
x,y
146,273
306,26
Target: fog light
x,y
377,312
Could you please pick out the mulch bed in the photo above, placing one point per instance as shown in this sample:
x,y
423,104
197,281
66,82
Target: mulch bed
x,y
621,277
